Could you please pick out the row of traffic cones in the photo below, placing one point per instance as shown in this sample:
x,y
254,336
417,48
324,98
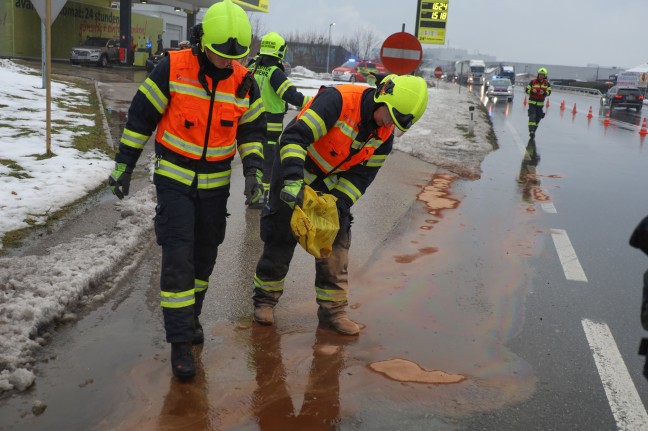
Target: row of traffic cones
x,y
644,127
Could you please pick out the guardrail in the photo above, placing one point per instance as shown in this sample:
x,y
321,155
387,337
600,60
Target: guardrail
x,y
592,91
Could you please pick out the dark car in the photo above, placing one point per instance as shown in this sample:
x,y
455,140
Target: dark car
x,y
623,97
153,60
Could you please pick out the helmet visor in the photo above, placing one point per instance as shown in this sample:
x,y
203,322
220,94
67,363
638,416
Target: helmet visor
x,y
230,48
402,121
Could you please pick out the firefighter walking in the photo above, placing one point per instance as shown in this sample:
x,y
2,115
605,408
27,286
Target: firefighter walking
x,y
276,91
538,89
336,144
205,106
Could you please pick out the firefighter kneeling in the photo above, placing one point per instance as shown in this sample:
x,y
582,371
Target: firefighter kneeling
x,y
336,144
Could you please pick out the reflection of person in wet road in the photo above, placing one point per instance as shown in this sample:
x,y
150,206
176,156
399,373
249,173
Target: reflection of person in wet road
x,y
272,403
538,89
528,178
186,405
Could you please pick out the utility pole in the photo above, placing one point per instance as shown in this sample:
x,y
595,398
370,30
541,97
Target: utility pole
x,y
328,52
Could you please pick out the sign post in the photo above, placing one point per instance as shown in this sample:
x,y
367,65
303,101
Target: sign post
x,y
401,53
438,73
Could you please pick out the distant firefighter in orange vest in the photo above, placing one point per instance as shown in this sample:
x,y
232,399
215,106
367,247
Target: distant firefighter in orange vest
x,y
538,89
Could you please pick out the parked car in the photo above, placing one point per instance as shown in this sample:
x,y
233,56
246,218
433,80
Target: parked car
x,y
153,60
501,88
96,50
623,97
354,71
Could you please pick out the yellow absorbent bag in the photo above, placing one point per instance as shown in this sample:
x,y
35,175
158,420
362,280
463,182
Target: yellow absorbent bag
x,y
316,224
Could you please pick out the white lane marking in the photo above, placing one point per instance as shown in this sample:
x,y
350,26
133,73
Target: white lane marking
x,y
549,207
519,143
571,266
627,408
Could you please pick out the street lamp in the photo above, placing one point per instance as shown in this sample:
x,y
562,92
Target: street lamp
x,y
328,52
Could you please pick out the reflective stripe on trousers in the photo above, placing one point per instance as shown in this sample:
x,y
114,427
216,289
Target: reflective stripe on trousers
x,y
189,225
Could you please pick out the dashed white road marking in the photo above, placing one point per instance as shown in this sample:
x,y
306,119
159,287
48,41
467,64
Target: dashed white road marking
x,y
627,408
521,146
549,207
567,255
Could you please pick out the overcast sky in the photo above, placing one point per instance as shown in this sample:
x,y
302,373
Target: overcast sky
x,y
564,32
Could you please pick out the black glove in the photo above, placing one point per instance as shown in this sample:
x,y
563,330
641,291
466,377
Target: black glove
x,y
119,180
253,187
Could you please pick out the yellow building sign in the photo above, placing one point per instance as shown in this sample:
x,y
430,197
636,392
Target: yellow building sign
x,y
431,18
255,5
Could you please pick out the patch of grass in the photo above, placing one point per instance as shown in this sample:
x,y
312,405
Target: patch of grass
x,y
86,138
467,132
490,135
17,171
44,156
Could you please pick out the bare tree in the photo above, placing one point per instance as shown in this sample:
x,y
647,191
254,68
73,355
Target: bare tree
x,y
361,43
258,30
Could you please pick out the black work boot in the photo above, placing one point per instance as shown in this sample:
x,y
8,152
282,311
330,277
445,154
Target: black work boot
x,y
263,314
199,334
338,320
182,360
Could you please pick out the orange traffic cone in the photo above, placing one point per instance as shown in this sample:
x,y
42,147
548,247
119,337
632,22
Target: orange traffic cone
x,y
574,111
606,122
547,103
562,105
589,114
525,100
643,130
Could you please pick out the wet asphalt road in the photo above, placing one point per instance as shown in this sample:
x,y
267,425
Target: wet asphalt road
x,y
451,275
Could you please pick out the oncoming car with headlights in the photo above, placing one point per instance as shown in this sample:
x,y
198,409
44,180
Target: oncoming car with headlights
x,y
500,88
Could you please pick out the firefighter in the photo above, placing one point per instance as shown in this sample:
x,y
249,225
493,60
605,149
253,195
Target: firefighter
x,y
205,105
336,144
276,91
537,89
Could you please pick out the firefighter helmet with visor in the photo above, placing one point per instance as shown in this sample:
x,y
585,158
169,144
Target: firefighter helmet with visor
x,y
226,30
273,44
406,98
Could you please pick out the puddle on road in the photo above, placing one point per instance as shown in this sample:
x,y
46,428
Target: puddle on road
x,y
403,370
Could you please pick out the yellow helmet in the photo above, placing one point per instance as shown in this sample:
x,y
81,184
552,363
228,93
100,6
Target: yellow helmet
x,y
406,98
273,44
542,70
226,30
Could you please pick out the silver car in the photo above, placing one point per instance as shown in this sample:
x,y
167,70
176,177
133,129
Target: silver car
x,y
96,50
500,88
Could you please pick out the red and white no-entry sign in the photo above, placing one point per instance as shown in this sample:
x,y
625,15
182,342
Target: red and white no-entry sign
x,y
438,72
401,53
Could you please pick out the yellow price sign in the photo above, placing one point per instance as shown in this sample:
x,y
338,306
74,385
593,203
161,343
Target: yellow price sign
x,y
431,21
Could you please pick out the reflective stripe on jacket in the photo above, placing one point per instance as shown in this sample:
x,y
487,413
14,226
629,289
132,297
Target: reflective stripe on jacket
x,y
544,90
196,125
338,149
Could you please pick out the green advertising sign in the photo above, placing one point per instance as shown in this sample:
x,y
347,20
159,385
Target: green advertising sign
x,y
20,28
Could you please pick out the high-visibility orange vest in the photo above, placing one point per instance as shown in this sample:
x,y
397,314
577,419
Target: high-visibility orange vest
x,y
339,142
186,124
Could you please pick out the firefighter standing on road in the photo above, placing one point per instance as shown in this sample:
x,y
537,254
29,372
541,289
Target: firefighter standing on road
x,y
204,105
336,144
538,89
276,90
